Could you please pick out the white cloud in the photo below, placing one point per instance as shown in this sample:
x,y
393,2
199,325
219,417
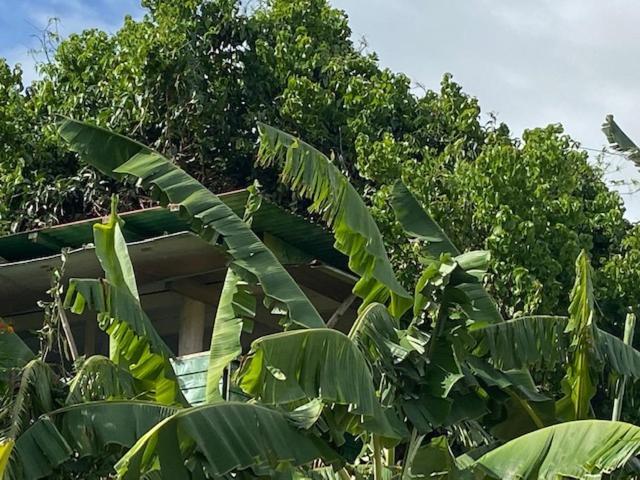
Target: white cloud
x,y
532,62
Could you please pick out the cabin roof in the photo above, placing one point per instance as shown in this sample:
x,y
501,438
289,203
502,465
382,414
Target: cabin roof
x,y
155,222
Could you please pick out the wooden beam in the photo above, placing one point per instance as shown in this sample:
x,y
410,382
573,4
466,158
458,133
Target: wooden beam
x,y
194,290
45,240
191,333
344,306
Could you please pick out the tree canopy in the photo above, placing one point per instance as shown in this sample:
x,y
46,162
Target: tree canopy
x,y
192,78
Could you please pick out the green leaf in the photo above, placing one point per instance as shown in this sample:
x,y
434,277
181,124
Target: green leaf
x,y
236,307
375,332
621,358
579,384
79,431
33,398
311,174
459,281
225,437
119,157
143,352
112,252
14,353
435,460
291,367
524,341
236,303
314,363
418,223
582,449
100,379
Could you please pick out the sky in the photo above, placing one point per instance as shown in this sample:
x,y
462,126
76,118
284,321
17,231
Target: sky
x,y
529,62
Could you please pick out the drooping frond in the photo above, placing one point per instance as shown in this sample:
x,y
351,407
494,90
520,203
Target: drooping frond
x,y
211,218
289,367
523,342
225,438
586,449
619,140
375,332
311,174
34,397
81,431
140,347
100,379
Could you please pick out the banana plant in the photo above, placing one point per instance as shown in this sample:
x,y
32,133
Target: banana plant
x,y
350,406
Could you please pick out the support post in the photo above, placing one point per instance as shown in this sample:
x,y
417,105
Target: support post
x,y
191,332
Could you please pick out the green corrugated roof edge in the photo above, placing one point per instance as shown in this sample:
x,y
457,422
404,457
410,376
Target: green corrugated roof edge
x,y
157,221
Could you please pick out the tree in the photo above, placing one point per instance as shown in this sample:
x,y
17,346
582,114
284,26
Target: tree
x,y
192,78
417,377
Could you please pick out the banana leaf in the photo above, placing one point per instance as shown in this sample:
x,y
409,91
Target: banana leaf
x,y
144,353
224,438
100,379
587,449
290,367
619,140
416,221
120,157
312,175
73,433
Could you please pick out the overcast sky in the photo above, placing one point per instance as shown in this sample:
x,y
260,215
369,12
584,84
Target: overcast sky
x,y
531,62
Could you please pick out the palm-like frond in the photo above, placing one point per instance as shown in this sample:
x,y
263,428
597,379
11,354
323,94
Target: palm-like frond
x,y
100,379
311,174
80,431
522,342
236,307
619,140
143,351
33,398
119,156
290,367
582,449
619,357
220,439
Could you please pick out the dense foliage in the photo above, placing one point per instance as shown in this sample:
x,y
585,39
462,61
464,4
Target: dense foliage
x,y
192,78
434,384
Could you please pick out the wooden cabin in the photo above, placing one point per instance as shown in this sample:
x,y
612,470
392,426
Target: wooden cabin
x,y
179,276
